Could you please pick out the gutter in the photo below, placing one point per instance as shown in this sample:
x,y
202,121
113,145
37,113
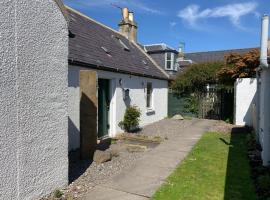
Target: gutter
x,y
82,64
61,6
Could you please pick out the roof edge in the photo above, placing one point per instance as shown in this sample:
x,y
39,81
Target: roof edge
x,y
160,44
222,50
82,64
152,60
89,18
62,7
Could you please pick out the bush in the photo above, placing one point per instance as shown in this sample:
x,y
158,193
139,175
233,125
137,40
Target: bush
x,y
131,119
264,182
57,194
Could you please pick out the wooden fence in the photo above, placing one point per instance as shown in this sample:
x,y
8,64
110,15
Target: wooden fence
x,y
215,103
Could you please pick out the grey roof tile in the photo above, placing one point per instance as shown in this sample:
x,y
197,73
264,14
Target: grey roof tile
x,y
213,56
158,48
86,49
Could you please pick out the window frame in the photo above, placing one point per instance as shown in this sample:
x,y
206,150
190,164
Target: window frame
x,y
171,60
149,95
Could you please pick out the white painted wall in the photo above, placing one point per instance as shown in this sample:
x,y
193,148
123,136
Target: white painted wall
x,y
33,99
264,122
117,105
245,97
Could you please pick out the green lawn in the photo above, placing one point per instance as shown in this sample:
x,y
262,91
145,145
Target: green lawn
x,y
217,168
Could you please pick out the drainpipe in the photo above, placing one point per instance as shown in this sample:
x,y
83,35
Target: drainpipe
x,y
264,94
264,42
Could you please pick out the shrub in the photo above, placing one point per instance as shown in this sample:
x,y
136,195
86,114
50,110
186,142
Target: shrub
x,y
57,194
131,118
264,182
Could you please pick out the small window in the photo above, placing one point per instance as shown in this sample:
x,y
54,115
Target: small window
x,y
169,61
105,49
123,44
149,95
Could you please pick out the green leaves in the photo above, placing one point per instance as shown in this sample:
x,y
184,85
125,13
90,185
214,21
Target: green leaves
x,y
131,118
195,78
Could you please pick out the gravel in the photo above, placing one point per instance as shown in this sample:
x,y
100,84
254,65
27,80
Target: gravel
x,y
84,175
95,174
223,127
166,128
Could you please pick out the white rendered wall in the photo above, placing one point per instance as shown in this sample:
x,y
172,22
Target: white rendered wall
x,y
137,87
33,99
73,109
245,97
264,133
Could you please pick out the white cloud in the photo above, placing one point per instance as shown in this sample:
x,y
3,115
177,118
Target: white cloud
x,y
234,12
173,24
133,4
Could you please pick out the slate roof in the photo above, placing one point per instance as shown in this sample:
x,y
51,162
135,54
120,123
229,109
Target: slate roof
x,y
213,56
158,48
97,46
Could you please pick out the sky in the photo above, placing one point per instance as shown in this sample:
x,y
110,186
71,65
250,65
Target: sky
x,y
203,25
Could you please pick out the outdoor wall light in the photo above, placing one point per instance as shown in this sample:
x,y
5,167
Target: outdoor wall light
x,y
120,82
126,94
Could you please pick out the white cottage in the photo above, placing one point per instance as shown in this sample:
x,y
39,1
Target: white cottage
x,y
109,71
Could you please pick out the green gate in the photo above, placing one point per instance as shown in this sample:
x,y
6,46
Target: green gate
x,y
216,103
181,104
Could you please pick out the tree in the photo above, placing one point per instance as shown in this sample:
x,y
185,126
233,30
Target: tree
x,y
195,77
239,66
235,65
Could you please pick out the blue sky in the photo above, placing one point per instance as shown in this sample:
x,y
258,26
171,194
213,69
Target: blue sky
x,y
203,25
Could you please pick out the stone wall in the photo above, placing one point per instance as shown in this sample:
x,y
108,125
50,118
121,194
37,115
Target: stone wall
x,y
33,98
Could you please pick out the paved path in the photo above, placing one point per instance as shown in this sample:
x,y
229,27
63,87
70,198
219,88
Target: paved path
x,y
144,178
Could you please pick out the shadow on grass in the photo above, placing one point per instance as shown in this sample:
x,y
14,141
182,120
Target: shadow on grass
x,y
239,184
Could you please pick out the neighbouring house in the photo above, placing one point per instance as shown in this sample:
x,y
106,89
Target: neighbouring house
x,y
33,98
175,61
108,71
171,60
214,56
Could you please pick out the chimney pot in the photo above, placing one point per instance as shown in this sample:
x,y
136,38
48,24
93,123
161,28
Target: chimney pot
x,y
127,26
125,13
131,16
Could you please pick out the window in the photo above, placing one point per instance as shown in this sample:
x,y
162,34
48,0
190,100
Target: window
x,y
169,61
123,44
149,91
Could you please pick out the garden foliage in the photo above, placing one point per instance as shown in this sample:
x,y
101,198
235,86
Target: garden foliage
x,y
131,119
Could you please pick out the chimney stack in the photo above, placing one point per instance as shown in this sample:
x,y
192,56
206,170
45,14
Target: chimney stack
x,y
181,50
127,25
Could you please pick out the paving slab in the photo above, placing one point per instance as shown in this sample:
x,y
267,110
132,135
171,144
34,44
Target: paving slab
x,y
139,185
151,170
101,193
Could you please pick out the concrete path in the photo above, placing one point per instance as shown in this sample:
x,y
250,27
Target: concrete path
x,y
144,178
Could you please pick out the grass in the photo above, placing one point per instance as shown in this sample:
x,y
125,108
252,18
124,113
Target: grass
x,y
217,168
